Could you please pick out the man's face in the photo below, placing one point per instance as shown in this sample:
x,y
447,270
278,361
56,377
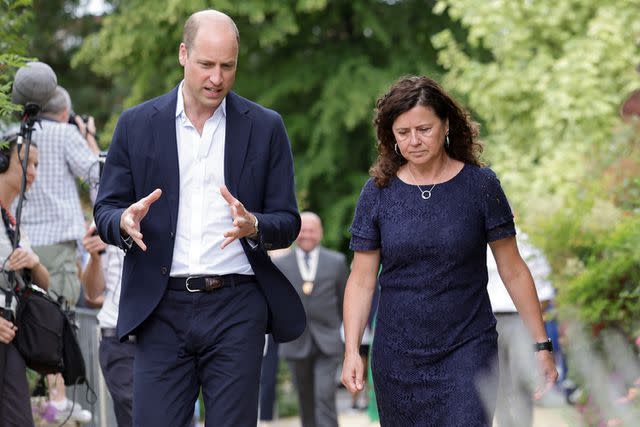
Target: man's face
x,y
310,233
209,66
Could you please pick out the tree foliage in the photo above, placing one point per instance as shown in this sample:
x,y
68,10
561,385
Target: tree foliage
x,y
55,34
14,15
550,91
548,83
320,63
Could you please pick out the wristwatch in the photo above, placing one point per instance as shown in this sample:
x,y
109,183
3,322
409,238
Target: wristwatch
x,y
545,345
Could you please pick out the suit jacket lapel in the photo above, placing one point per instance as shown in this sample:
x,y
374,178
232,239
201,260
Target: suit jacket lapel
x,y
236,141
165,147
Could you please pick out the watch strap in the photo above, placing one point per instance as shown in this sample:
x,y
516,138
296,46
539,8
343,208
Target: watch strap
x,y
545,345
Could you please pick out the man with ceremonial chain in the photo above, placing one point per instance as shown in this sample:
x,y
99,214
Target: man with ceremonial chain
x,y
319,275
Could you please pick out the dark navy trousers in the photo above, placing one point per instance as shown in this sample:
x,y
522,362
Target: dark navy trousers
x,y
212,340
116,362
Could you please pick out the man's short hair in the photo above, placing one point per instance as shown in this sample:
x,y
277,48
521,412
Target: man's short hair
x,y
59,102
193,23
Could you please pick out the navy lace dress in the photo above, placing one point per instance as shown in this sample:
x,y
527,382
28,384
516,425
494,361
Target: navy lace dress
x,y
435,335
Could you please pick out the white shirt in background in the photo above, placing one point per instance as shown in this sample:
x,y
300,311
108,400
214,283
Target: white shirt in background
x,y
500,300
112,261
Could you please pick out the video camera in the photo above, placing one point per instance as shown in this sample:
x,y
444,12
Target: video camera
x,y
72,118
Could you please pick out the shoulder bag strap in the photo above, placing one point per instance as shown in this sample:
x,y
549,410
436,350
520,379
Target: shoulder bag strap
x,y
8,296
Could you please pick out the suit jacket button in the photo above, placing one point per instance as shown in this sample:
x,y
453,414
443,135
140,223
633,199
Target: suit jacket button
x,y
172,235
163,271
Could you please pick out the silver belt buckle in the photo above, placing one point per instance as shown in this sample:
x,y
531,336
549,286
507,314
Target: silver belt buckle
x,y
186,284
210,283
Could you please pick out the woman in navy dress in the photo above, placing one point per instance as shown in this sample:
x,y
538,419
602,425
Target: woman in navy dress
x,y
427,215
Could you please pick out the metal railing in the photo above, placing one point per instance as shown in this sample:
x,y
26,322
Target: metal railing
x,y
89,340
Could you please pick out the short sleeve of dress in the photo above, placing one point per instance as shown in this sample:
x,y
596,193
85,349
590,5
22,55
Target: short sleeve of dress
x,y
365,232
498,216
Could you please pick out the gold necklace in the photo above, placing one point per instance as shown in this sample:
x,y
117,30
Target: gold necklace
x,y
426,194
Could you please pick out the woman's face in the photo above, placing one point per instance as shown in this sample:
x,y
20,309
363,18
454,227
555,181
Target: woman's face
x,y
14,173
420,134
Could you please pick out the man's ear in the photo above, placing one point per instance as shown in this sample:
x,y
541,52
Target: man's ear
x,y
182,54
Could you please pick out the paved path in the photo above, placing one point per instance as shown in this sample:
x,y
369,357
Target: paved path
x,y
554,414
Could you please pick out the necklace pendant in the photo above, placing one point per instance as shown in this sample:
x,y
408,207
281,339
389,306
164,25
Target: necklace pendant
x,y
426,194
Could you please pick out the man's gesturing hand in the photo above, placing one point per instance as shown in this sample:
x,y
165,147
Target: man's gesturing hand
x,y
131,217
244,222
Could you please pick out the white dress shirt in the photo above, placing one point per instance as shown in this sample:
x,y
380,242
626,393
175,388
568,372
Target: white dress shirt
x,y
308,274
203,214
500,300
112,261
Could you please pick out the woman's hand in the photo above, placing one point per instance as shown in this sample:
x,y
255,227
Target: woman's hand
x,y
547,365
7,331
21,258
353,373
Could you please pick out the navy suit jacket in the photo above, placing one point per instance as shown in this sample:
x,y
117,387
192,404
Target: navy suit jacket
x,y
258,169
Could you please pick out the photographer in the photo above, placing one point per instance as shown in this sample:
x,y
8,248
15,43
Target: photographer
x,y
15,405
87,127
53,216
101,279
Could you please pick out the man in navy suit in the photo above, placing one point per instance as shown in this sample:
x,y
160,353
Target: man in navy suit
x,y
197,186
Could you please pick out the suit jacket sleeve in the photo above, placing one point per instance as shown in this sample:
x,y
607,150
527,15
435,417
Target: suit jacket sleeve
x,y
279,221
116,191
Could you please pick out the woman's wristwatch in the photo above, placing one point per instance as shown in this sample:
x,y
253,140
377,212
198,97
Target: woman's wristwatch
x,y
545,345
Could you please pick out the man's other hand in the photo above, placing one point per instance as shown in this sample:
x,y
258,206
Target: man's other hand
x,y
131,217
244,222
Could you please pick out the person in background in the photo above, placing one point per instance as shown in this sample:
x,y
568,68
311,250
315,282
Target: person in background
x,y
53,217
319,276
516,361
269,371
15,403
101,278
426,216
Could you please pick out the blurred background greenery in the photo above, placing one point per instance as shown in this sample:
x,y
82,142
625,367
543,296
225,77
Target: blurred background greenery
x,y
546,80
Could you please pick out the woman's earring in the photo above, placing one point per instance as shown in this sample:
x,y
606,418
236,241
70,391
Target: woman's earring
x,y
395,147
446,141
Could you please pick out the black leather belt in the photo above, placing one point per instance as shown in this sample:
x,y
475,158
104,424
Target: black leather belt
x,y
209,283
111,333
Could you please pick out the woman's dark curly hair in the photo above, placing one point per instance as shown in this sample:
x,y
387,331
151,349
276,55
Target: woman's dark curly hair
x,y
405,94
8,144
